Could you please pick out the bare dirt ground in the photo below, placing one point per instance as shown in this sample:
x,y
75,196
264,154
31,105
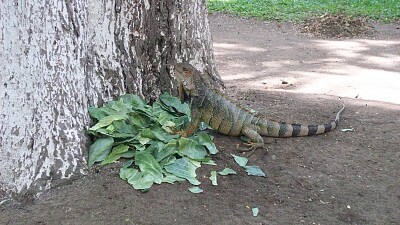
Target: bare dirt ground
x,y
337,178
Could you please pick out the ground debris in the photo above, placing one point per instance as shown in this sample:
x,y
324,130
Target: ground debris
x,y
336,26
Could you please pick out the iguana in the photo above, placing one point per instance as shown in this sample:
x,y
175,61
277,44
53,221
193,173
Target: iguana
x,y
209,106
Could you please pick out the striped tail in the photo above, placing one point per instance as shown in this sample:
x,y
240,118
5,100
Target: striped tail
x,y
275,129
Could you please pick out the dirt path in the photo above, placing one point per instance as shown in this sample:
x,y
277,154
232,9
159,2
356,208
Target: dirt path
x,y
338,178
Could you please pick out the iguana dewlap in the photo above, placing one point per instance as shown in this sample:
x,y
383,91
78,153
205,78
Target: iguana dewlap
x,y
209,106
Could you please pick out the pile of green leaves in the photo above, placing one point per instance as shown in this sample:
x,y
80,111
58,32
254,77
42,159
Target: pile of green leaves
x,y
145,135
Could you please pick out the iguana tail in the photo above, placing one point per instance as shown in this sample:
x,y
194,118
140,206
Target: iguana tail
x,y
275,129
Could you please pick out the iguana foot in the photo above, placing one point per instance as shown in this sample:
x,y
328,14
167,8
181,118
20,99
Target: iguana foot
x,y
252,147
181,133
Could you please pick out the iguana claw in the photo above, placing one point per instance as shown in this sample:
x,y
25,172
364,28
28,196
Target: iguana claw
x,y
179,132
252,147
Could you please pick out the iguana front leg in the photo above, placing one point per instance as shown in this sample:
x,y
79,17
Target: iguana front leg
x,y
256,140
193,125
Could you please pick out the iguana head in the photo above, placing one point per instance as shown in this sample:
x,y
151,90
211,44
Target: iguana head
x,y
184,73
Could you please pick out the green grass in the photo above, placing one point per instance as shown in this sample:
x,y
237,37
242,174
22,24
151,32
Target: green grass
x,y
297,10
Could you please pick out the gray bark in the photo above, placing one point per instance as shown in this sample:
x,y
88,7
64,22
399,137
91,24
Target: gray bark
x,y
60,57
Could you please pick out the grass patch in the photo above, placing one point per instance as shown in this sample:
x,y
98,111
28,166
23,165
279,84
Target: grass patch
x,y
298,10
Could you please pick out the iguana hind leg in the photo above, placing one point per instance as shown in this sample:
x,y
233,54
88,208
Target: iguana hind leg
x,y
256,140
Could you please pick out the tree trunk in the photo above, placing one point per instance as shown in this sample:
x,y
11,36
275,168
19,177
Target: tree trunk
x,y
60,57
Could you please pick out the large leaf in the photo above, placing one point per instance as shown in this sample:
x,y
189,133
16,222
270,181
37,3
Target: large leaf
x,y
170,178
242,161
141,180
254,170
138,180
134,101
154,148
183,168
191,148
181,121
106,121
227,171
139,120
205,139
167,160
116,153
120,106
174,104
153,134
97,113
100,149
148,164
125,173
195,190
169,149
124,130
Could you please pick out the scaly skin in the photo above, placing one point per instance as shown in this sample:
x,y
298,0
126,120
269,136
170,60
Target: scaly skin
x,y
209,106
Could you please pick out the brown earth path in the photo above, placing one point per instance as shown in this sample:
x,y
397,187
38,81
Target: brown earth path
x,y
337,178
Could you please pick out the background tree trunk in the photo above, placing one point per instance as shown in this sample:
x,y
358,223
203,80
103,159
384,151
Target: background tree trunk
x,y
60,57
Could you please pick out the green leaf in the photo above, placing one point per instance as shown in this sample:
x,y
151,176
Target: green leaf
x,y
124,130
168,160
155,147
203,126
255,211
142,140
205,139
152,134
106,121
97,113
169,126
254,171
147,164
128,154
141,181
227,171
99,150
242,161
174,104
209,162
139,120
169,149
170,178
213,178
138,180
127,164
190,148
120,106
181,121
125,173
194,162
134,100
115,154
183,168
165,117
195,190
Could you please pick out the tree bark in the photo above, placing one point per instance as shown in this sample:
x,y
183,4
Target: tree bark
x,y
60,57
